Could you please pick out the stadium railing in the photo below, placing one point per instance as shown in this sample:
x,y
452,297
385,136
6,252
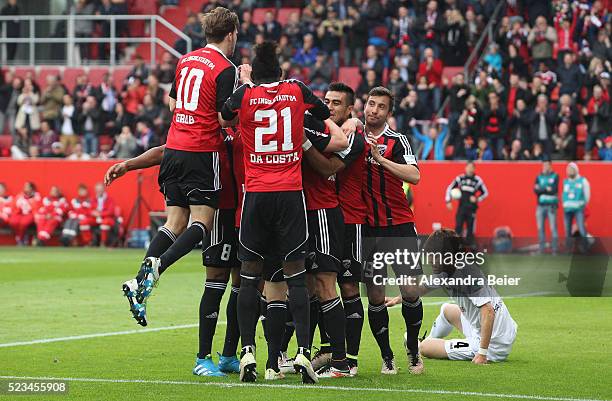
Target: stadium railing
x,y
71,40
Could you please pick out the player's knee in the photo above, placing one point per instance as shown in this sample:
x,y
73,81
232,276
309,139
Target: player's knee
x,y
449,311
297,280
425,348
349,290
376,294
217,274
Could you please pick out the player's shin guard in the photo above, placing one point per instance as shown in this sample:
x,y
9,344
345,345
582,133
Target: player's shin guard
x,y
183,245
298,304
441,326
333,315
159,244
209,313
276,315
232,334
248,308
324,343
314,310
378,317
412,311
353,311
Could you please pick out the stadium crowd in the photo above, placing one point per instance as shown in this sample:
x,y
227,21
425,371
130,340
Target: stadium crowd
x,y
542,88
84,220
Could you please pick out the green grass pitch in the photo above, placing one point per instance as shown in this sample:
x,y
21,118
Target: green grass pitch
x,y
562,351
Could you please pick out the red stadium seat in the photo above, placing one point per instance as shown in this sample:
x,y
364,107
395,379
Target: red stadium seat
x,y
283,14
70,76
350,76
96,75
450,72
22,72
119,76
6,141
44,72
259,15
581,133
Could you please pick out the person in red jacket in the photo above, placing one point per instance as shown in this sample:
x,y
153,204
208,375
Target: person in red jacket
x,y
432,69
103,213
22,216
50,214
6,205
79,218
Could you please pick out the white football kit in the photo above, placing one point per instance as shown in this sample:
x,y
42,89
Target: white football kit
x,y
469,301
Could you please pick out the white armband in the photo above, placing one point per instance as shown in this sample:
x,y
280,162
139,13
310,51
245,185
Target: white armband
x,y
483,351
306,145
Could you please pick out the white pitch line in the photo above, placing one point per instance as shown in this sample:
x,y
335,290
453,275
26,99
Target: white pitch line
x,y
306,387
96,335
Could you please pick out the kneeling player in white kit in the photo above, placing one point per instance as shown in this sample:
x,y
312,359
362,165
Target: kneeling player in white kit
x,y
479,313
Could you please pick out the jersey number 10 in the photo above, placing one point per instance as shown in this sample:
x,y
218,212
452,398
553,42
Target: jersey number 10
x,y
184,98
272,129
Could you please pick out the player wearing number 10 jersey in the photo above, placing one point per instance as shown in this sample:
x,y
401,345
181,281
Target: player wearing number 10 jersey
x,y
271,116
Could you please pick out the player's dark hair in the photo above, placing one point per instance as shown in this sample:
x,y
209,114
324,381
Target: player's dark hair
x,y
382,91
443,241
266,67
343,88
218,23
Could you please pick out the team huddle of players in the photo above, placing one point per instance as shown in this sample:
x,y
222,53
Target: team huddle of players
x,y
281,187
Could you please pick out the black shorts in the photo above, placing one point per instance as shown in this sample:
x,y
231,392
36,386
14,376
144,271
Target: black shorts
x,y
190,178
273,269
351,255
222,247
326,232
273,223
390,239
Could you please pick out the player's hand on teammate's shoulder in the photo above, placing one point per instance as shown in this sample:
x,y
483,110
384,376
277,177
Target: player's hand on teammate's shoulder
x,y
115,171
392,301
480,359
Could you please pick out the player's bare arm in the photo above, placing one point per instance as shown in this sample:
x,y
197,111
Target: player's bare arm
x,y
323,165
338,139
150,158
405,172
487,318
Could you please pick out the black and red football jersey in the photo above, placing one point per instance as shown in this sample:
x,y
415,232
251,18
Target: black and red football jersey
x,y
237,164
227,195
350,180
271,123
386,201
204,79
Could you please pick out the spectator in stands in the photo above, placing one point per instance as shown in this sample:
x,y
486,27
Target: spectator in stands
x,y
433,143
454,41
148,110
57,151
367,84
247,31
106,95
12,106
22,214
139,70
79,219
516,151
410,108
515,63
514,93
118,119
537,152
78,153
458,94
494,124
602,48
52,100
356,33
306,55
133,95
429,27
13,29
82,89
564,144
103,213
145,136
493,59
46,139
520,125
568,113
104,7
271,28
576,195
28,116
403,26
542,124
126,146
193,29
90,124
165,71
321,73
5,95
83,28
484,150
373,61
284,49
6,206
425,93
20,149
541,38
329,33
569,76
546,189
49,215
68,136
471,117
397,87
605,149
431,68
597,113
406,62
